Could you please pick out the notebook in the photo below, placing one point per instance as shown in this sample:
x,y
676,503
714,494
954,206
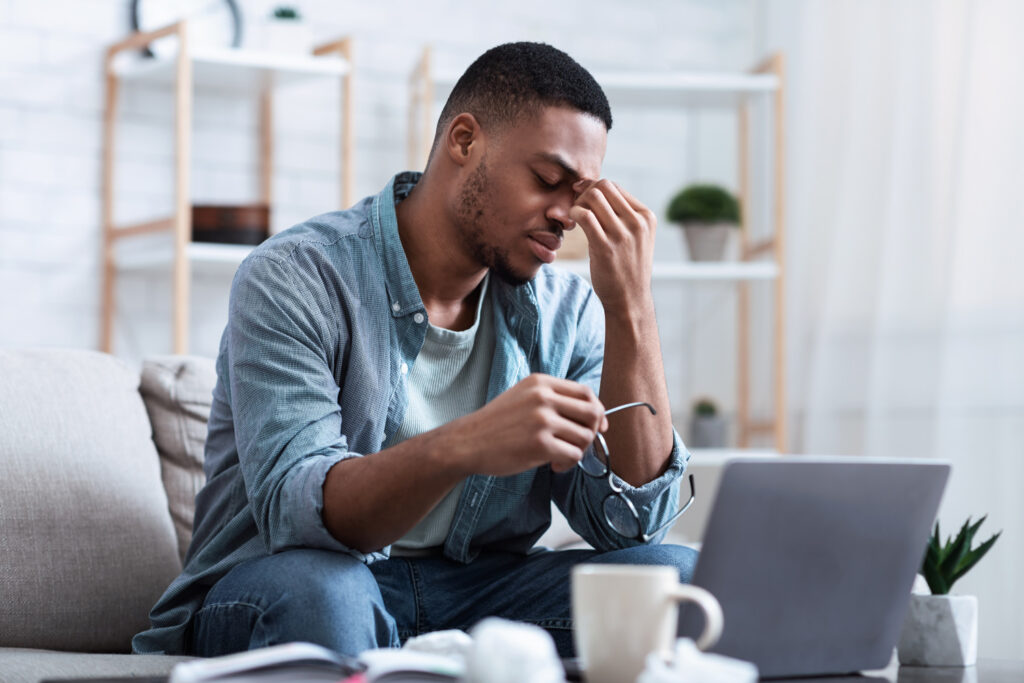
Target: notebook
x,y
813,559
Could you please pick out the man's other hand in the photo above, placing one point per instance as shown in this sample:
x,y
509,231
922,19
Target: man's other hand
x,y
541,420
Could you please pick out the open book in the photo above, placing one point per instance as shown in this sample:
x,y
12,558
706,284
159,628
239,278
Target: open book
x,y
308,663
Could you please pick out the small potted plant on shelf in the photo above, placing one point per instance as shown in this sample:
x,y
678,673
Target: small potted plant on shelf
x,y
942,629
285,31
707,427
707,214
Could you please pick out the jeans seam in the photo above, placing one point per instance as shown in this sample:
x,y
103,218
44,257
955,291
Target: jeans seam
x,y
234,603
415,579
560,624
552,623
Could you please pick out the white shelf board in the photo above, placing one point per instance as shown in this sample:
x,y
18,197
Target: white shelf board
x,y
716,457
157,251
233,69
717,271
693,88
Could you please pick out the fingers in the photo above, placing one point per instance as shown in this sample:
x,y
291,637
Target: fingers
x,y
574,401
559,418
611,209
614,199
637,206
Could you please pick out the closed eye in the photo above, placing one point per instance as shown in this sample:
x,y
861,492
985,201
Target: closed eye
x,y
545,184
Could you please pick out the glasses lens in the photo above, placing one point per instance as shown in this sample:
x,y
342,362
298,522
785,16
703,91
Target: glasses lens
x,y
595,460
621,516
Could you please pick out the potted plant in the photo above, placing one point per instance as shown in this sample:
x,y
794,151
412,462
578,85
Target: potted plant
x,y
285,31
707,213
707,427
942,629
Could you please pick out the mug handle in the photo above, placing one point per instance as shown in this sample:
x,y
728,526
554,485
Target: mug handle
x,y
713,618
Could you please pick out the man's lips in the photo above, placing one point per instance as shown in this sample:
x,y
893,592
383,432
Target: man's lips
x,y
544,245
548,239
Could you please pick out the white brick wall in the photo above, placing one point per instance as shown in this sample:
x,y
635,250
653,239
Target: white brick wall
x,y
51,109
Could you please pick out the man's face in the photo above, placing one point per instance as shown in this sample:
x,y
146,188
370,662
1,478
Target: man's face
x,y
514,204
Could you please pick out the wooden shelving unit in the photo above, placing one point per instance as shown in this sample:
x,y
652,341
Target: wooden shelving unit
x,y
167,241
762,259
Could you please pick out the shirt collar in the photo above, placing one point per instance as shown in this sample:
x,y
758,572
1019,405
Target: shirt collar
x,y
404,297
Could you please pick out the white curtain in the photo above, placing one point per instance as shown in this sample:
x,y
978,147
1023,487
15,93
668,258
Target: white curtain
x,y
905,126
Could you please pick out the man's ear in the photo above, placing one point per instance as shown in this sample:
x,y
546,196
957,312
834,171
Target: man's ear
x,y
462,138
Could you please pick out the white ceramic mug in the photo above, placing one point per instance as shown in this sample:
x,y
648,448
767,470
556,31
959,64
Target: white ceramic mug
x,y
622,613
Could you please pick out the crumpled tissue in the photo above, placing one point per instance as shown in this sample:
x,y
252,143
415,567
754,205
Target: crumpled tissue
x,y
512,652
690,665
451,643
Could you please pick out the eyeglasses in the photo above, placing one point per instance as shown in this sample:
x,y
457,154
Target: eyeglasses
x,y
619,511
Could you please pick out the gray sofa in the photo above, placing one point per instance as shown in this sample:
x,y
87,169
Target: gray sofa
x,y
97,480
99,467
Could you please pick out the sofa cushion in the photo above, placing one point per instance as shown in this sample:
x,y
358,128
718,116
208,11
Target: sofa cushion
x,y
178,391
86,541
33,666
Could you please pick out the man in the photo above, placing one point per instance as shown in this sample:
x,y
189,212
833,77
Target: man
x,y
404,387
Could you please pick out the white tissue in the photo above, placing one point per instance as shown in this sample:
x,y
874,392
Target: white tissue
x,y
452,643
512,652
690,665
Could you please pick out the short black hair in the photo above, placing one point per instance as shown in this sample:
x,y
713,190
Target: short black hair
x,y
517,79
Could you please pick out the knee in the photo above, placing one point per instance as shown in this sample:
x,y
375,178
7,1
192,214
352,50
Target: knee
x,y
327,583
316,580
681,557
317,596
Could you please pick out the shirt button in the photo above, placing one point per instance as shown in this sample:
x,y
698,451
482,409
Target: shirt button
x,y
418,318
405,369
396,307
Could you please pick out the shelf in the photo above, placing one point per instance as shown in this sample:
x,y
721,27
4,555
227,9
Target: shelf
x,y
716,457
691,88
156,251
233,70
721,271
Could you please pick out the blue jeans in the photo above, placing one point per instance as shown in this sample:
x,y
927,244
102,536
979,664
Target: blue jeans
x,y
336,601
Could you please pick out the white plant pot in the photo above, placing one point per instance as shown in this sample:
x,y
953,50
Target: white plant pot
x,y
289,36
706,241
707,431
940,630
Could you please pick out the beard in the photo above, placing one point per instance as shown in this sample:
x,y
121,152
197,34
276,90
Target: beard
x,y
471,215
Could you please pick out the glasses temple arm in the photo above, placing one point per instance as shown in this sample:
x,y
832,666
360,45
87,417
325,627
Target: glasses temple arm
x,y
635,404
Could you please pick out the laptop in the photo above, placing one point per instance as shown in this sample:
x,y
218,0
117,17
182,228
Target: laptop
x,y
813,559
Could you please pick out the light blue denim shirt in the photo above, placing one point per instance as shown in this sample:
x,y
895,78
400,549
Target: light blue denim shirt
x,y
322,330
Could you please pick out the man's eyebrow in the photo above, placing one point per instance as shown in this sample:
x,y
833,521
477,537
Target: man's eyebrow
x,y
559,161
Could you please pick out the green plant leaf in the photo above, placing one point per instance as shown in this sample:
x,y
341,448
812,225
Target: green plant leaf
x,y
955,551
972,558
930,569
945,563
704,203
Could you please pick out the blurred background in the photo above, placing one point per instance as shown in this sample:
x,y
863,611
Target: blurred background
x,y
878,155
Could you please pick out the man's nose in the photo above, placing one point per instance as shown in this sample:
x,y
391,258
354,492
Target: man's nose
x,y
559,213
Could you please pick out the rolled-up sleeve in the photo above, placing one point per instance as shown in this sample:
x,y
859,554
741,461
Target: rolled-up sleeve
x,y
579,496
285,400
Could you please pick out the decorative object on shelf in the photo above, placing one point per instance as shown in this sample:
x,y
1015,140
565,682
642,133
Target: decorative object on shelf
x,y
942,629
707,427
245,224
707,213
285,31
212,23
